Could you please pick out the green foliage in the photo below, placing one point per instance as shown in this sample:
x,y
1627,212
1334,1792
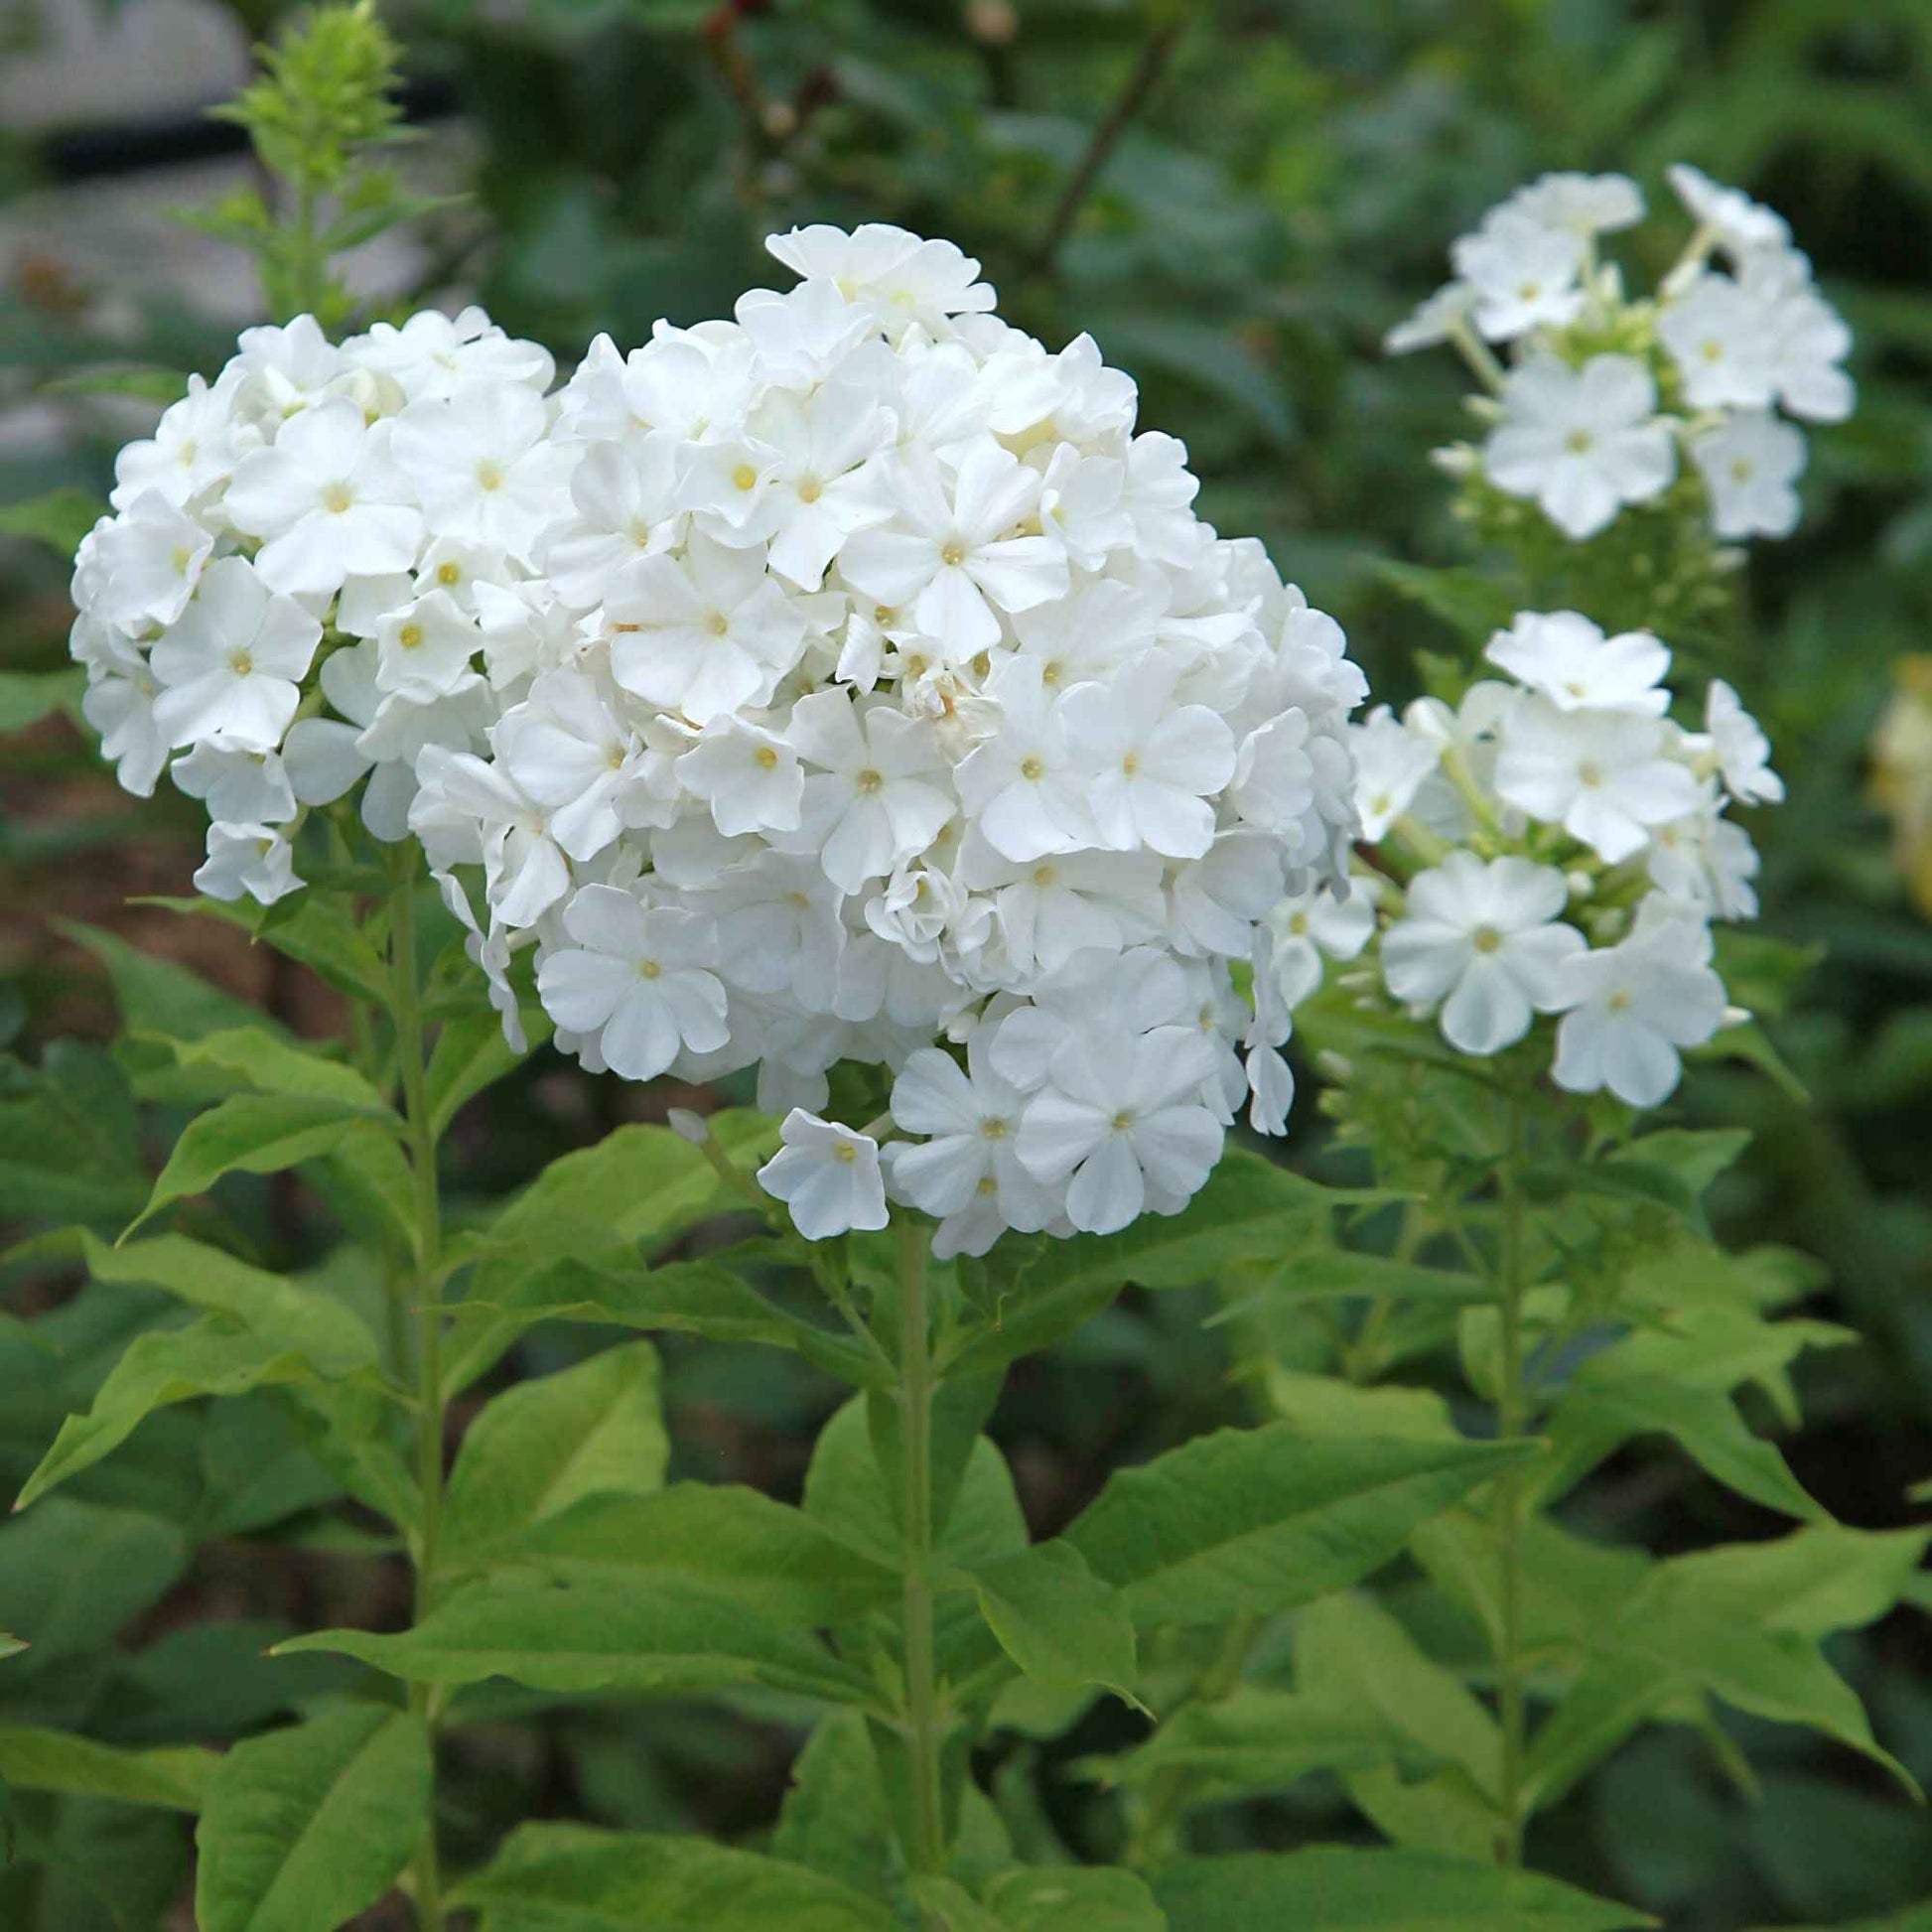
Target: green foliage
x,y
305,1827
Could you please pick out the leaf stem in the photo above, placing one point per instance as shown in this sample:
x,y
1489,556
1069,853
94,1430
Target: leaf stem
x,y
927,1849
1511,1412
1147,70
407,1015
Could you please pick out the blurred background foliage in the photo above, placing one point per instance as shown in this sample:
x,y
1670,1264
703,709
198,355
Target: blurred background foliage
x,y
1235,199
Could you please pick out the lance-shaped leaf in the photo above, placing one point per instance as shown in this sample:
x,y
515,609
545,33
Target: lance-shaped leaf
x,y
582,1632
1054,1617
835,1818
1258,1740
545,1444
1249,1207
1032,1899
1255,1521
270,1063
32,1759
572,1879
250,1133
788,1566
309,1825
470,1052
305,1320
209,1357
1335,1888
703,1298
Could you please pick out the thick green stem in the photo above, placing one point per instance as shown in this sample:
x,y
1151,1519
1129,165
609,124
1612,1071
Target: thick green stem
x,y
419,1285
927,1850
1511,1418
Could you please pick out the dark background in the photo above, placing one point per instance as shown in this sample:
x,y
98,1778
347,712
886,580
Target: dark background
x,y
1286,185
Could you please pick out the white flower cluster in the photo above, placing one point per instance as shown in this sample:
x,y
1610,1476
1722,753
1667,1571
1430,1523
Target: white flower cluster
x,y
804,688
1556,843
1602,393
894,692
301,567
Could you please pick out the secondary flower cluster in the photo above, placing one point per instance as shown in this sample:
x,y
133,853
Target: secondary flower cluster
x,y
1605,396
893,691
302,567
1557,844
804,688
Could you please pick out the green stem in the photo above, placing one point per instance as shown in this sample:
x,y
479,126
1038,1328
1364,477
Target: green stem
x,y
420,1285
1151,1840
928,1848
1511,1418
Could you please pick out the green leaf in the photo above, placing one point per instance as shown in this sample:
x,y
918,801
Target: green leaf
x,y
209,1357
1256,1742
834,1816
1333,1888
777,1560
71,1574
702,1297
470,1052
1249,1208
1056,1899
572,1879
599,1632
268,1064
139,380
1065,1896
28,697
1603,1411
1470,602
1055,1619
545,1444
306,1321
1351,1651
37,1759
155,995
1255,1521
69,1146
61,518
309,1825
250,1133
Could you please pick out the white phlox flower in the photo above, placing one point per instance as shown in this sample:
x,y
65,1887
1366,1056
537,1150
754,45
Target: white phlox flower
x,y
1597,399
818,684
1563,854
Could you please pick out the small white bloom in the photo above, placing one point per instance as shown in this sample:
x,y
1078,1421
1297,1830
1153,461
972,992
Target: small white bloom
x,y
1720,340
1120,1126
328,497
149,558
873,803
254,860
1581,205
1750,464
1739,222
232,668
1581,442
1525,273
1570,663
749,777
639,978
1633,1006
1605,777
1432,321
1391,763
827,1175
1482,938
1742,751
1314,926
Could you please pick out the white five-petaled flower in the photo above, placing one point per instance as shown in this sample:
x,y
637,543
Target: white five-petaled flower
x,y
1605,777
967,1171
1567,659
1483,939
233,666
1524,271
872,801
1581,442
955,552
639,978
330,501
827,1175
1634,1006
1750,464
